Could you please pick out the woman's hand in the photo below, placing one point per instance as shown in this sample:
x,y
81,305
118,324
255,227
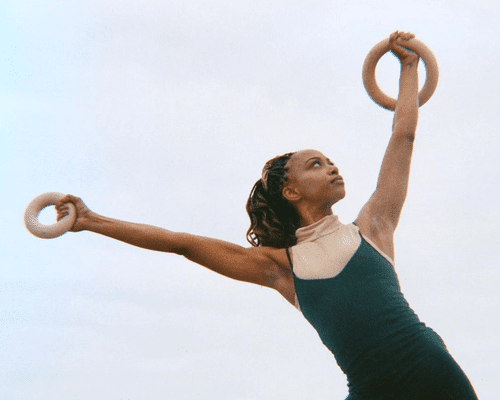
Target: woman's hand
x,y
83,214
397,42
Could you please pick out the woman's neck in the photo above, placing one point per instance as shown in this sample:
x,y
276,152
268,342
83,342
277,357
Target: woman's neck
x,y
308,217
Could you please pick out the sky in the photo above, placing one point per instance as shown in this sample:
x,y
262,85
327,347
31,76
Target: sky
x,y
164,113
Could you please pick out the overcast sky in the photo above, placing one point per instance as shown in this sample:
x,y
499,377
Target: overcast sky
x,y
164,112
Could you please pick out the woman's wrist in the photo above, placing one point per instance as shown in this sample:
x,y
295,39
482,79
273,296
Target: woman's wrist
x,y
92,221
409,66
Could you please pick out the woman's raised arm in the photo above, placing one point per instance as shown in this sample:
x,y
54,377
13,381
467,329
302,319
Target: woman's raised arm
x,y
260,265
380,215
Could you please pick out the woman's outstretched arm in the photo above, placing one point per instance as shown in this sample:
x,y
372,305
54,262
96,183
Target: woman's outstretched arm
x,y
261,266
382,212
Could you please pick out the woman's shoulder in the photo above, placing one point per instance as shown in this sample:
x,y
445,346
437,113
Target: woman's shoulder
x,y
377,232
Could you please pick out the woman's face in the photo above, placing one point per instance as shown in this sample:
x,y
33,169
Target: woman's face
x,y
313,178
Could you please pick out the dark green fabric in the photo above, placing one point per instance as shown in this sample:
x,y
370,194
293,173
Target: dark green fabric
x,y
363,318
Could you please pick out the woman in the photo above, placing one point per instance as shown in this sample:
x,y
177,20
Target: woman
x,y
340,276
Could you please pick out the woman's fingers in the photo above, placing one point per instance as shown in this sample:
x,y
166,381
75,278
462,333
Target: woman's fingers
x,y
405,35
62,206
68,199
62,211
402,35
402,50
82,211
397,41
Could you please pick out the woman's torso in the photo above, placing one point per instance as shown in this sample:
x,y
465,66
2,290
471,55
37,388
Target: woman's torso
x,y
348,290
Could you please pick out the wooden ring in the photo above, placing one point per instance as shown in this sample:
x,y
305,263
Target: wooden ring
x,y
48,231
370,64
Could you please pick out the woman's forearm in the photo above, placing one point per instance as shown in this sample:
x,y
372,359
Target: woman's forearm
x,y
406,114
140,235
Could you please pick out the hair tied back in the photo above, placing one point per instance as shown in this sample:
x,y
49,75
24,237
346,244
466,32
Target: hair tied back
x,y
273,221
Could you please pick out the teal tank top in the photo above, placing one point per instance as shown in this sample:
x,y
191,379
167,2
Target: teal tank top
x,y
349,291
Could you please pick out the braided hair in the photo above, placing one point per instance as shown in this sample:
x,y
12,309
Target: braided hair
x,y
273,220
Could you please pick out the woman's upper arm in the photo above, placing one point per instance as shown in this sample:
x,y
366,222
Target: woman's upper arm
x,y
254,265
392,186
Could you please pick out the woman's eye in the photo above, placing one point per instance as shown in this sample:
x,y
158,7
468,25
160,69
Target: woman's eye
x,y
316,163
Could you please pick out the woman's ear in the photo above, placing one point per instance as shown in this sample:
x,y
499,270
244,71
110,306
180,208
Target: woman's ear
x,y
291,194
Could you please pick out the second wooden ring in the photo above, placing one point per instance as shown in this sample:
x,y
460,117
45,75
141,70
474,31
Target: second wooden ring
x,y
370,64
